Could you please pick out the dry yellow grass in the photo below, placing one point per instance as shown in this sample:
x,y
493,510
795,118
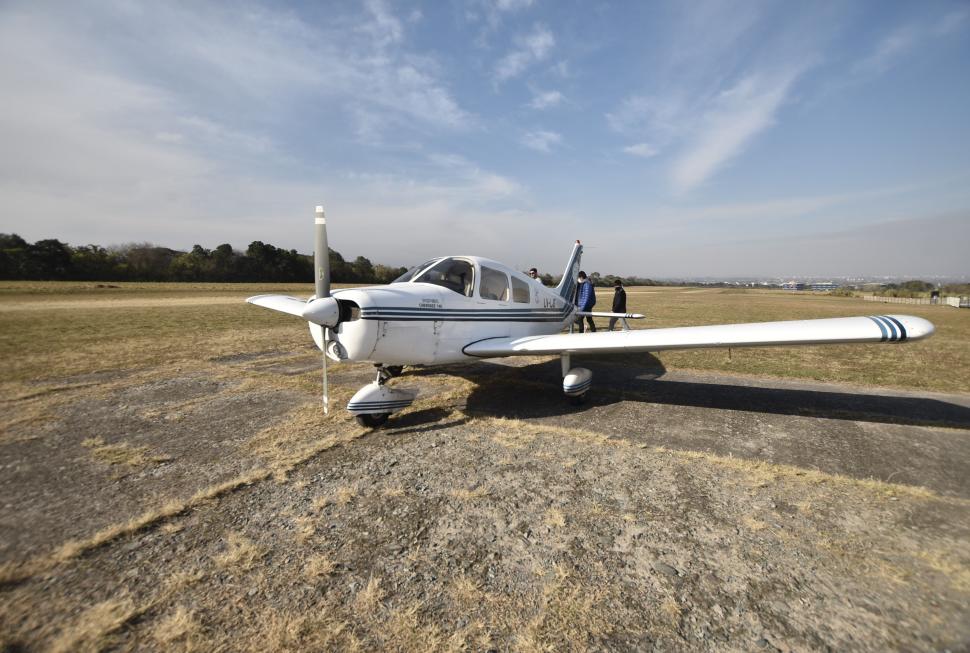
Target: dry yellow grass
x,y
17,572
305,529
756,472
120,453
405,631
240,553
319,566
179,627
469,494
93,628
369,597
465,592
554,518
287,632
344,494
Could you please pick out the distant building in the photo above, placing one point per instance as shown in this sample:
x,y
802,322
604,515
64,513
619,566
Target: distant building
x,y
825,285
793,285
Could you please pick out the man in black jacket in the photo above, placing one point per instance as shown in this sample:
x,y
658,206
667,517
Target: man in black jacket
x,y
619,301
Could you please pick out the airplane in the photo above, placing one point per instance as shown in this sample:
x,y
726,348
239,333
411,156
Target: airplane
x,y
453,309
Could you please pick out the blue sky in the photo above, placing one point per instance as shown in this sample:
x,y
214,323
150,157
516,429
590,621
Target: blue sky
x,y
674,139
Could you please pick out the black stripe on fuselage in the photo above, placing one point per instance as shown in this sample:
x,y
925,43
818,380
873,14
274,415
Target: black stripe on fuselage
x,y
402,314
462,311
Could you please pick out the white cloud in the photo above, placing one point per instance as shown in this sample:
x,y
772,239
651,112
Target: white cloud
x,y
530,49
161,121
716,86
890,48
644,150
734,118
953,21
661,117
385,28
541,140
475,182
513,5
546,99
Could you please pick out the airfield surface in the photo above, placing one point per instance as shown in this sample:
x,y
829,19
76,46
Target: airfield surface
x,y
168,482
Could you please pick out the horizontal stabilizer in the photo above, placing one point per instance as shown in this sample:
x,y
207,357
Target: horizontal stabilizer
x,y
878,328
629,316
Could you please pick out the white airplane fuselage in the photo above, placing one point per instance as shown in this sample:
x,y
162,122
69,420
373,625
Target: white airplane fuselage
x,y
419,323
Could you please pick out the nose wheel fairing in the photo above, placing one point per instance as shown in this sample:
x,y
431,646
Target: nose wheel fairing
x,y
373,403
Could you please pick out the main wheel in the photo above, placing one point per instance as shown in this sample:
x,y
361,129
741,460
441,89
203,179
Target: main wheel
x,y
576,400
372,420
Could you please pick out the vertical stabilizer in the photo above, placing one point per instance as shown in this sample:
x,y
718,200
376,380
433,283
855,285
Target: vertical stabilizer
x,y
567,286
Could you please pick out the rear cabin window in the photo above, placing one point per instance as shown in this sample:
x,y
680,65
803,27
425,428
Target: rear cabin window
x,y
495,285
520,291
451,273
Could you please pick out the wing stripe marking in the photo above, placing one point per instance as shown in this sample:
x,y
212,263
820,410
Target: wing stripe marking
x,y
902,329
892,328
882,328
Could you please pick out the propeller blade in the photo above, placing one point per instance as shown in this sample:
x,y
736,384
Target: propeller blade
x,y
322,310
326,387
321,255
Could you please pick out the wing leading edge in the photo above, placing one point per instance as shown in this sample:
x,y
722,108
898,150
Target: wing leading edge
x,y
840,330
282,303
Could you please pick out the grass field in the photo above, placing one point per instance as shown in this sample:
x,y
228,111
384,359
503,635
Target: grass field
x,y
57,329
169,482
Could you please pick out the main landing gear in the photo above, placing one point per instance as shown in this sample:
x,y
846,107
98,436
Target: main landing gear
x,y
375,402
576,381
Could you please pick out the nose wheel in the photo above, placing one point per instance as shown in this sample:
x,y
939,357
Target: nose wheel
x,y
372,420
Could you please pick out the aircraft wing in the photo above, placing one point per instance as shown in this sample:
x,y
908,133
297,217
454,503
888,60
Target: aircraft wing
x,y
878,328
283,303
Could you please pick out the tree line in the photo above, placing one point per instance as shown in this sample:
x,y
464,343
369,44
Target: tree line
x,y
52,260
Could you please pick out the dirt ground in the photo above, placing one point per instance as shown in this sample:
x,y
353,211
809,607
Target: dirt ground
x,y
211,506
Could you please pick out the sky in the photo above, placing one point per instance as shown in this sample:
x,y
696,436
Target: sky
x,y
675,139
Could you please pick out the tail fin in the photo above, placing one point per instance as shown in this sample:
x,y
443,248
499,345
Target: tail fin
x,y
567,286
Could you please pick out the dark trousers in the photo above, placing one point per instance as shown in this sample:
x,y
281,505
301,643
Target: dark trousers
x,y
589,319
613,321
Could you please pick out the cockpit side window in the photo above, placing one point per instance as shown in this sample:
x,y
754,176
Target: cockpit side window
x,y
495,285
520,291
410,274
451,273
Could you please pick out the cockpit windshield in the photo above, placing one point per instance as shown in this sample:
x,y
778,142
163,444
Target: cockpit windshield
x,y
409,275
451,273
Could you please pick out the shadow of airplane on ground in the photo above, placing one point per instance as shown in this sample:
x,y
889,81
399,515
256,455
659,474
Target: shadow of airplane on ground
x,y
836,444
533,391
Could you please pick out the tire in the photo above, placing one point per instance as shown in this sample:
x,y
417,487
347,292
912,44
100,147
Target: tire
x,y
395,370
372,420
578,400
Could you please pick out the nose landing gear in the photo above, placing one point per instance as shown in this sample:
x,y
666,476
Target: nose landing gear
x,y
375,402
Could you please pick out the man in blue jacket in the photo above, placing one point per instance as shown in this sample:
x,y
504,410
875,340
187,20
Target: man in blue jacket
x,y
585,300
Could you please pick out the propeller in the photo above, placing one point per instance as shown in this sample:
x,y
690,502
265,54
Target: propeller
x,y
323,310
